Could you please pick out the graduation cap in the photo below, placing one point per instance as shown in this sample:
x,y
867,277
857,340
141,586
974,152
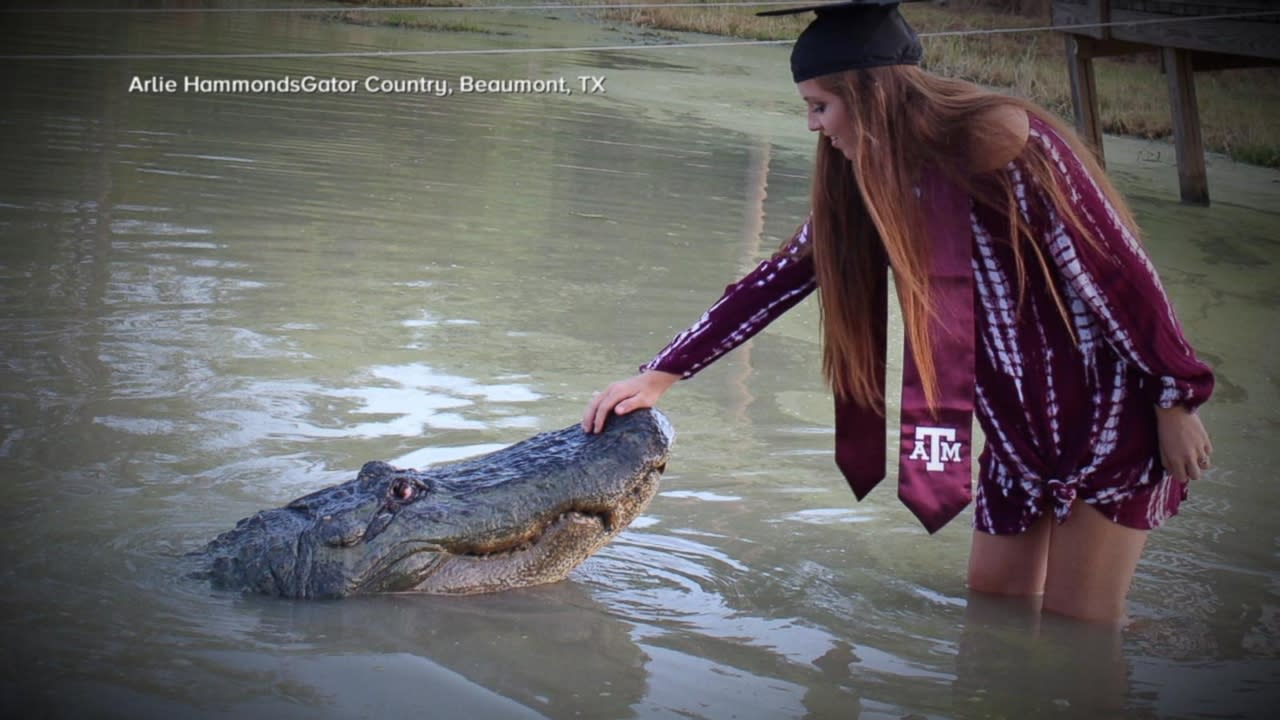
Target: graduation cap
x,y
850,35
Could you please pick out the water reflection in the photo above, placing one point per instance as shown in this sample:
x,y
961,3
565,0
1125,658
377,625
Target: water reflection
x,y
407,401
500,642
1014,661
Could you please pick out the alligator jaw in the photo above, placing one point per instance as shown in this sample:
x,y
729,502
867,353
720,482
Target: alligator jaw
x,y
551,551
565,543
558,547
602,517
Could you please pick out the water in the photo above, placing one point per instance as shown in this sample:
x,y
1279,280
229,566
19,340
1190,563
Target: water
x,y
213,303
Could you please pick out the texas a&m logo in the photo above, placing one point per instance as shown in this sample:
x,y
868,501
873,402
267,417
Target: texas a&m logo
x,y
934,445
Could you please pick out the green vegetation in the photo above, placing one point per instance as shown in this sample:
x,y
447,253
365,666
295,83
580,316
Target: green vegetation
x,y
1237,107
411,20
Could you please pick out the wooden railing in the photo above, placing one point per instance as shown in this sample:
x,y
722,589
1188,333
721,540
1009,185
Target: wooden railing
x,y
1190,35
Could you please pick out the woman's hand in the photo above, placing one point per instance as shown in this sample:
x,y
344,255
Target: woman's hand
x,y
622,397
1185,449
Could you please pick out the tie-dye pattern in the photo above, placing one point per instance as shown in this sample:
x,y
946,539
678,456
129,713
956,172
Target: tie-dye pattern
x,y
1064,418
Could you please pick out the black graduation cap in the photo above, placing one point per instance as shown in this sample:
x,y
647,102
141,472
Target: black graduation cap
x,y
850,35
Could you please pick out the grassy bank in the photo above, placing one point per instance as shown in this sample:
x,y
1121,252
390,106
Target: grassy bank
x,y
1238,108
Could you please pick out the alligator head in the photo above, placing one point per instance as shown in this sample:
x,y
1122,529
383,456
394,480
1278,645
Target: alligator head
x,y
524,515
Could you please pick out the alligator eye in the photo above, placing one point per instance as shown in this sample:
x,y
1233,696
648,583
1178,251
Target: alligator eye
x,y
402,490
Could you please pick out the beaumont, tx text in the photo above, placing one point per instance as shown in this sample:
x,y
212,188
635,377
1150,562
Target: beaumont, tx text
x,y
589,84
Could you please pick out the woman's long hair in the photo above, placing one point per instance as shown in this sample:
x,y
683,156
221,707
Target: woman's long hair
x,y
904,119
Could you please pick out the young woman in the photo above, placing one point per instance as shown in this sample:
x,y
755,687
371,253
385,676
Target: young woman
x,y
1026,298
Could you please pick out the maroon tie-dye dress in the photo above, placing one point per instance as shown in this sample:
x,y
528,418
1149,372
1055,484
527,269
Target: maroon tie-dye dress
x,y
1063,418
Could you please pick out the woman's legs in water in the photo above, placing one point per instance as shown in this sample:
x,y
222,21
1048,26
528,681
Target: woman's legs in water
x,y
1083,567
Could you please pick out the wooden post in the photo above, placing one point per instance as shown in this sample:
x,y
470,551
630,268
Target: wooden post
x,y
1101,10
1192,179
1084,92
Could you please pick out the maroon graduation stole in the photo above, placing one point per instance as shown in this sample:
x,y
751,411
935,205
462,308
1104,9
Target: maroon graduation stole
x,y
935,461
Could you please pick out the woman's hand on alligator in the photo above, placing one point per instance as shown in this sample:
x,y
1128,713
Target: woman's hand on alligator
x,y
640,391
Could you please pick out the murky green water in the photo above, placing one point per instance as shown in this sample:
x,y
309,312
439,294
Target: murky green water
x,y
213,303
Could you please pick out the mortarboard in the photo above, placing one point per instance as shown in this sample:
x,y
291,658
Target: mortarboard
x,y
850,35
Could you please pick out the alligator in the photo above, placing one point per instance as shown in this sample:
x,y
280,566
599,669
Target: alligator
x,y
524,515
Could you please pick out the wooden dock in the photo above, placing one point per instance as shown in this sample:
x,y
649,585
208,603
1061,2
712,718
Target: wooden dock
x,y
1190,35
